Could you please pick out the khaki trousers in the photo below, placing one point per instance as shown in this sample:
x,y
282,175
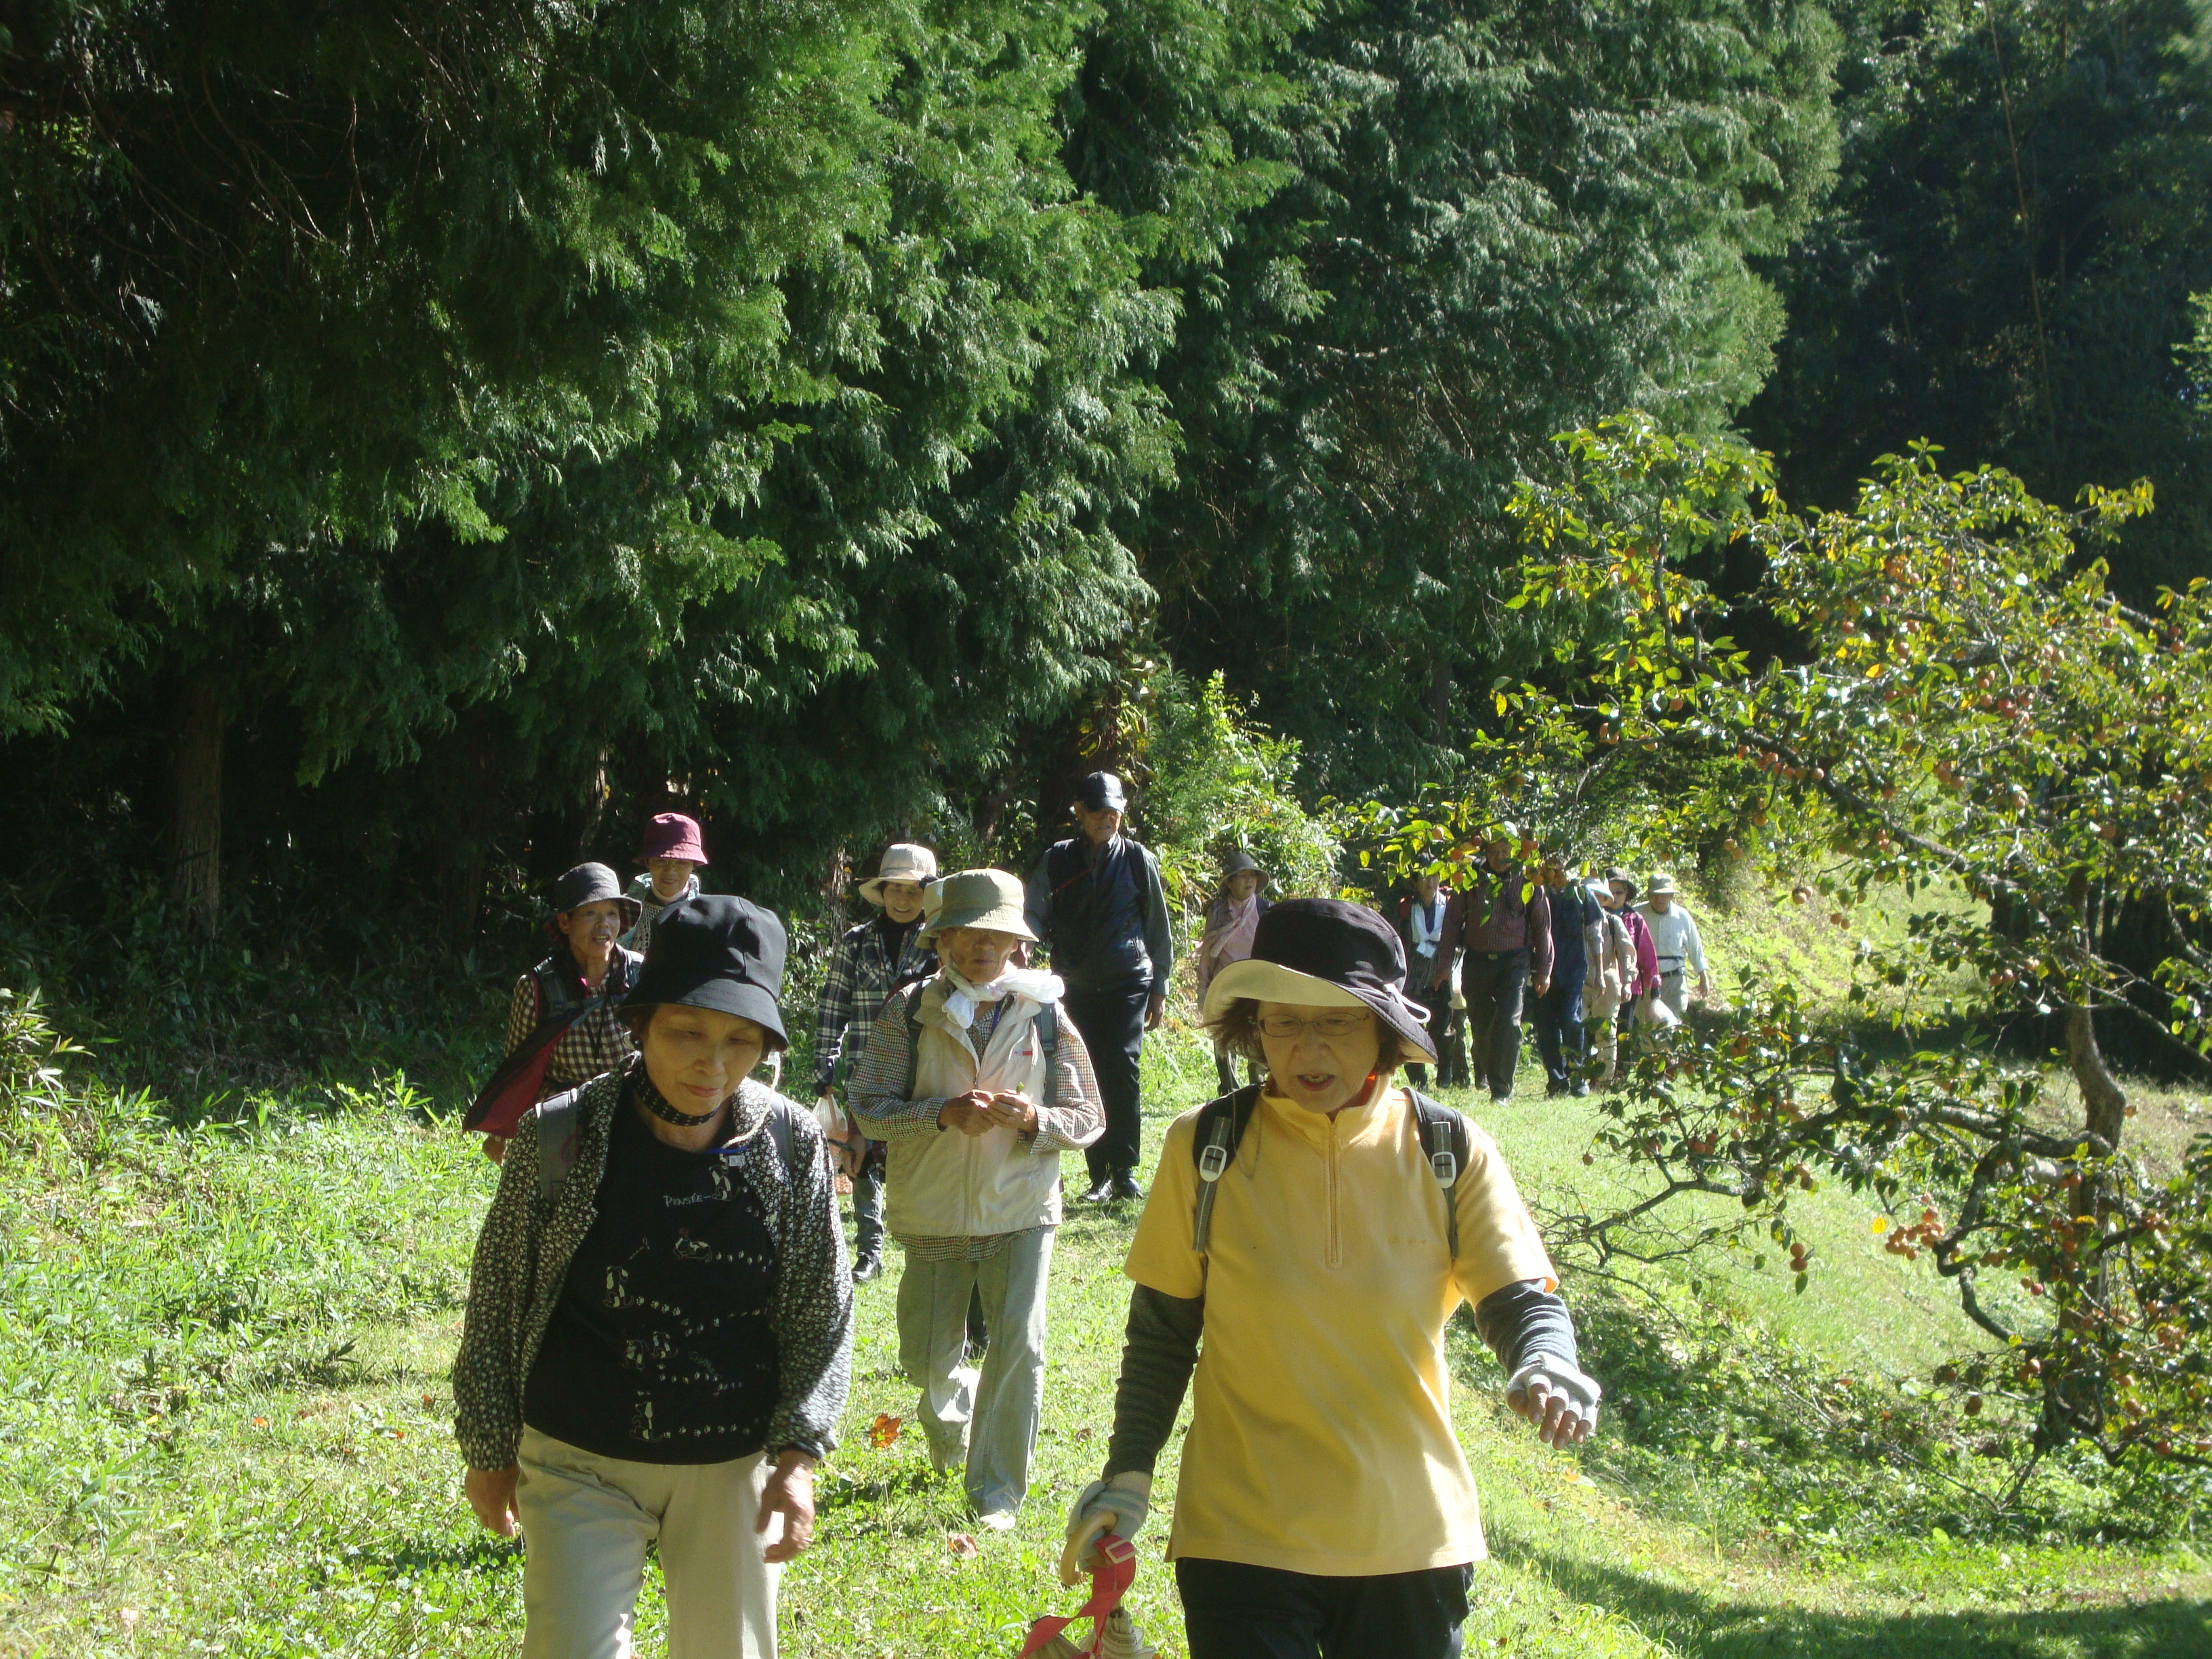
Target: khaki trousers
x,y
993,1413
1601,1022
585,1522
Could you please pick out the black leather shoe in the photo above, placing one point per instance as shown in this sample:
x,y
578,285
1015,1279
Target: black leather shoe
x,y
1125,1189
866,1266
1102,1193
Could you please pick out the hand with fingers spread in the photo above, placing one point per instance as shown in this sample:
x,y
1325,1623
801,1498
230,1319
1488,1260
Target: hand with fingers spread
x,y
1558,1398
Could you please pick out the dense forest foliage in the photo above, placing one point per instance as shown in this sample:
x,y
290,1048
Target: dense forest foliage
x,y
433,435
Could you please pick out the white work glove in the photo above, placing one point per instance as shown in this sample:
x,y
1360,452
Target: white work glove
x,y
1561,1401
1119,1506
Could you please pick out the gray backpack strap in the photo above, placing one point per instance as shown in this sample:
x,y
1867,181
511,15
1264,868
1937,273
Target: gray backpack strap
x,y
1221,1125
1444,1143
1047,1024
559,1131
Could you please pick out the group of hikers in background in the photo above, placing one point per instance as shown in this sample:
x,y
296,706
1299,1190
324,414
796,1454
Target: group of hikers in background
x,y
659,1325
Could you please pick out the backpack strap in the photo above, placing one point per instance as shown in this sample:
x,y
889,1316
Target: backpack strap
x,y
1213,1143
1447,1145
560,1135
1047,1024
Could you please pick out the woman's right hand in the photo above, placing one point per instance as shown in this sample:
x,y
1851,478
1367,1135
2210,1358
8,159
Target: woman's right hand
x,y
491,1495
971,1113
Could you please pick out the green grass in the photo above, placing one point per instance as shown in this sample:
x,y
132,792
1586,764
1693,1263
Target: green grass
x,y
224,1428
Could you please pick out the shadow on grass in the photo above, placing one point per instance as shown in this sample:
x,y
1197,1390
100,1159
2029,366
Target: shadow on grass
x,y
1702,1626
479,1554
842,1492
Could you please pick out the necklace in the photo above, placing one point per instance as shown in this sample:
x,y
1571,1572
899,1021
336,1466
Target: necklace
x,y
667,1114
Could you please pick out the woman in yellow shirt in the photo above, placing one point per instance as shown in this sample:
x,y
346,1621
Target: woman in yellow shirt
x,y
1317,1230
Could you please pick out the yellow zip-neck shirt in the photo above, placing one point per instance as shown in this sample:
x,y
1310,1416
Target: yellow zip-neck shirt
x,y
1322,1439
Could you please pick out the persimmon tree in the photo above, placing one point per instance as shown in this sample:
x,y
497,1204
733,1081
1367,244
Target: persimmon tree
x,y
1959,707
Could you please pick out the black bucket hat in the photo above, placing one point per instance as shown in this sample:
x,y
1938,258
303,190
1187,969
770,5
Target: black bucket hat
x,y
587,884
712,950
1614,872
1326,953
1237,863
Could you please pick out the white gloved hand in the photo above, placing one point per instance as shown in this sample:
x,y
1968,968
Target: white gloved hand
x,y
1118,1505
1558,1398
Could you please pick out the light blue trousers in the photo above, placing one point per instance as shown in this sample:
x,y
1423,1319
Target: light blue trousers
x,y
993,1414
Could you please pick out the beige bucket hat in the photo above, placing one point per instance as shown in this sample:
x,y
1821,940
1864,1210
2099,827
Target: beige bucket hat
x,y
975,898
902,861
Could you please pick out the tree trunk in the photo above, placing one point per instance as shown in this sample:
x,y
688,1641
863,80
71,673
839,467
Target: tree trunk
x,y
196,801
2105,1103
460,851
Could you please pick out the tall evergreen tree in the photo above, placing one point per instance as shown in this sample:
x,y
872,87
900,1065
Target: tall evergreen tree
x,y
2024,208
1491,223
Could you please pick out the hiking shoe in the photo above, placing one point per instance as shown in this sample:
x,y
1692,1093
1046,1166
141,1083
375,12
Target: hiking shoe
x,y
1124,1190
867,1266
1101,1192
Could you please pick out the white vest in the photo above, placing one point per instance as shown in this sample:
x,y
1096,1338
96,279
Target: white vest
x,y
951,1185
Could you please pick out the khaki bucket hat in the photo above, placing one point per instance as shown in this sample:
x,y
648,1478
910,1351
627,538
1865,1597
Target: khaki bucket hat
x,y
975,898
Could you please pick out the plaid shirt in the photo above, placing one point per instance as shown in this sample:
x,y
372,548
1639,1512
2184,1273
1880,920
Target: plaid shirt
x,y
596,1042
860,977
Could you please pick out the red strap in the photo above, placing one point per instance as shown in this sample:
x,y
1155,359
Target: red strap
x,y
1110,1583
513,1089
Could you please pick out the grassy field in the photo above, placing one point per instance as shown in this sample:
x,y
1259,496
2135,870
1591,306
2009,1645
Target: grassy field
x,y
224,1428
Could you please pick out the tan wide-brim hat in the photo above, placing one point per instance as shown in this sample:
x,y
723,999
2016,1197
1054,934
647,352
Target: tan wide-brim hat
x,y
975,898
1661,885
902,861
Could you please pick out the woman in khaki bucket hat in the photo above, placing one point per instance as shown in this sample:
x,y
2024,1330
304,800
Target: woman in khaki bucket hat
x,y
979,1084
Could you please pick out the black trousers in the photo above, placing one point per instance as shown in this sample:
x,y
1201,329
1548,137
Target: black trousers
x,y
1231,1611
1494,983
1436,1005
1559,1030
1112,1025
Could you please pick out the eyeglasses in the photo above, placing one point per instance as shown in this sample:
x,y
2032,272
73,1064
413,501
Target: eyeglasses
x,y
1325,1026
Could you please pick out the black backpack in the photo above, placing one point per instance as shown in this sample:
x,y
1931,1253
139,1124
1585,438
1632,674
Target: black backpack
x,y
1221,1125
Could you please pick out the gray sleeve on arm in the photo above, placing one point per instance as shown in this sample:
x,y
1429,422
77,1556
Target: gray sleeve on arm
x,y
1036,899
1524,1320
1159,932
1158,1352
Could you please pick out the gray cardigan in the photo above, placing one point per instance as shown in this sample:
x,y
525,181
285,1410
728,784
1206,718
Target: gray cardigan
x,y
523,1254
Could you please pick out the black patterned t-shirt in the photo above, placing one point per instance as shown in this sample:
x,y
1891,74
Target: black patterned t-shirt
x,y
662,1346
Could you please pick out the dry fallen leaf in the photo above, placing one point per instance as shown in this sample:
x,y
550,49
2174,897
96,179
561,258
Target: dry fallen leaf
x,y
883,1432
426,1402
260,1422
1083,1434
962,1545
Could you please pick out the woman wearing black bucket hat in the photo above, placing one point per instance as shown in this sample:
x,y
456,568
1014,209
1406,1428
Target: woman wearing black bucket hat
x,y
1319,1229
583,981
659,1333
